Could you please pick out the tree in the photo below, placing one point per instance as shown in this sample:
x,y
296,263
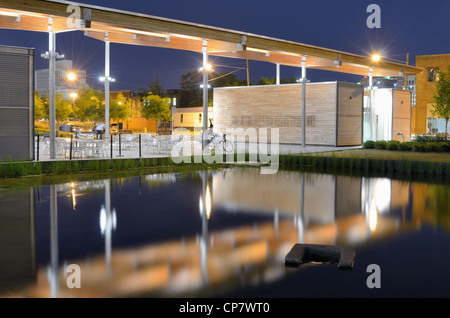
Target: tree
x,y
191,95
155,88
119,108
441,98
272,81
39,111
157,108
63,108
90,105
266,81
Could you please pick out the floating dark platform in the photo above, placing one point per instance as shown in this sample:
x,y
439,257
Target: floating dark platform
x,y
306,253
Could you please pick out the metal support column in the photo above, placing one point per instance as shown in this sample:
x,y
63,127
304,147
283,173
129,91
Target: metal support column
x,y
205,96
370,104
304,102
51,97
278,73
107,79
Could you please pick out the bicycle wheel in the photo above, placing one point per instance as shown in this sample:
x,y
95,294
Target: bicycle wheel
x,y
210,147
227,145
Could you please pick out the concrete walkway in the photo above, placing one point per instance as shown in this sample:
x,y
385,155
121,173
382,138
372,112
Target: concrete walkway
x,y
132,151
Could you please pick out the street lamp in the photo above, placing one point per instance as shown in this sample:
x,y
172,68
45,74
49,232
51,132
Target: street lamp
x,y
376,57
207,67
73,95
71,76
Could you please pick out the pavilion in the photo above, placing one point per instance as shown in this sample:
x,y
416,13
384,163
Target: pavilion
x,y
118,26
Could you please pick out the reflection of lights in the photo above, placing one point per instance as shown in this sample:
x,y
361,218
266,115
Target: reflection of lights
x,y
107,221
208,202
74,200
373,216
382,194
200,206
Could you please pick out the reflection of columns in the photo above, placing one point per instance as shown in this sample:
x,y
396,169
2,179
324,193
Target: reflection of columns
x,y
301,217
53,271
108,232
204,237
107,224
276,222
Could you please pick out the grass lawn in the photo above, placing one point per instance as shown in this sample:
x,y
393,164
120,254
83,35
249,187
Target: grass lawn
x,y
388,155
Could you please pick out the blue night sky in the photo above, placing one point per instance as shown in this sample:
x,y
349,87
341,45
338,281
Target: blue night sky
x,y
417,27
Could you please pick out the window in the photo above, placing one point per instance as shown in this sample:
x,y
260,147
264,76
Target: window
x,y
181,118
199,117
433,74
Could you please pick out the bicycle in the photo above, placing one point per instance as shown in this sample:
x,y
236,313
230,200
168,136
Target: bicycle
x,y
217,141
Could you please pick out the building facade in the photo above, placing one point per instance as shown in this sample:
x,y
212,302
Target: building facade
x,y
63,84
423,121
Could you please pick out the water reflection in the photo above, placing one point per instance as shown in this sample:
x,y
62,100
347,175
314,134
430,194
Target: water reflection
x,y
194,234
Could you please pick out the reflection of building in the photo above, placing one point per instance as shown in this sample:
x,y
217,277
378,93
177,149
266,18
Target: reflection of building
x,y
17,239
63,84
423,121
336,210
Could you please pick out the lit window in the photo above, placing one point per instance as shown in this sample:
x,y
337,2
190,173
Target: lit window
x,y
433,74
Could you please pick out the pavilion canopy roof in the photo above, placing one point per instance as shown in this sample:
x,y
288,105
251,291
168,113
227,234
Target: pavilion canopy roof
x,y
146,30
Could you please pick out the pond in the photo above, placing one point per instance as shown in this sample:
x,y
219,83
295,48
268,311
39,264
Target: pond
x,y
223,233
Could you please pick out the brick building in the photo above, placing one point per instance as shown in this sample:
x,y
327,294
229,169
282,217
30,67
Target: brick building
x,y
422,120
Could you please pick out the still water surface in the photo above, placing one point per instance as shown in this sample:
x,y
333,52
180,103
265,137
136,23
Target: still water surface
x,y
223,233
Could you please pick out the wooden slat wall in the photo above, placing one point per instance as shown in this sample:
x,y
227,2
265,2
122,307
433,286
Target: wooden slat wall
x,y
401,114
279,106
350,112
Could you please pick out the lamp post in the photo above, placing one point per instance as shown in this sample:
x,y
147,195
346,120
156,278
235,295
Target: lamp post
x,y
51,56
107,79
71,76
205,69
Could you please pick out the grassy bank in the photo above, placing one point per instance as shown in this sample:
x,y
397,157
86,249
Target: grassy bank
x,y
25,169
380,162
348,161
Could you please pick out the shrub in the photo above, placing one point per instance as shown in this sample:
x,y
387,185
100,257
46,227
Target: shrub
x,y
405,146
380,144
369,144
443,146
418,146
431,146
392,145
425,138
